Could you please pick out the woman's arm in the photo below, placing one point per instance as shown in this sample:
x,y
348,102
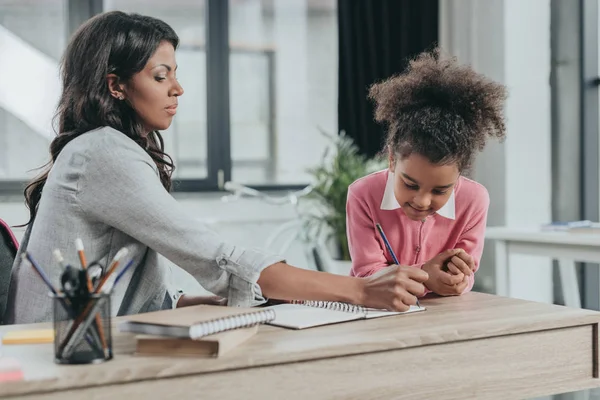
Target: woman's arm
x,y
119,187
394,288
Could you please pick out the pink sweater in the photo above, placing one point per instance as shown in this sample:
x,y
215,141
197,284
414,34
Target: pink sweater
x,y
459,224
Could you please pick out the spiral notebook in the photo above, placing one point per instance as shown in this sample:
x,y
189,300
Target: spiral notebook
x,y
195,322
308,314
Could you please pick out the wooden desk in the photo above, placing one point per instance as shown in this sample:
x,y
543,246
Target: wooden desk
x,y
474,346
566,247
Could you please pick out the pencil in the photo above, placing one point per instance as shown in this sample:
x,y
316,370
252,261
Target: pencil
x,y
82,260
113,266
80,253
387,244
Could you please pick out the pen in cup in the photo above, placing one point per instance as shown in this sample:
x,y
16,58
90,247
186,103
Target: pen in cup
x,y
113,266
81,317
87,321
90,288
122,272
81,253
65,303
389,248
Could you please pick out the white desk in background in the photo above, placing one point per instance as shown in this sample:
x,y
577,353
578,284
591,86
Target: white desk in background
x,y
566,247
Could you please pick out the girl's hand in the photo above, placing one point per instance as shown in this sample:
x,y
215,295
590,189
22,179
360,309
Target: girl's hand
x,y
462,262
442,281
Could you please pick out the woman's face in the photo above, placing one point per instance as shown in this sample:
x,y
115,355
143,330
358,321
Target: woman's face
x,y
153,92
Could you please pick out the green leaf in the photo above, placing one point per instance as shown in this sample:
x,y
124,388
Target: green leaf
x,y
341,165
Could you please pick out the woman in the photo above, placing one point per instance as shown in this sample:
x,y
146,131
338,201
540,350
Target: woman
x,y
108,184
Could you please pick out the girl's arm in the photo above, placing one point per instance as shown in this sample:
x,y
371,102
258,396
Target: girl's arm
x,y
365,250
473,237
471,240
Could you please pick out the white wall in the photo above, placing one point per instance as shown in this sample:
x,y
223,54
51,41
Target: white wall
x,y
509,40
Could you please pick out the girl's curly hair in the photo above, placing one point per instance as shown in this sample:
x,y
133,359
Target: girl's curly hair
x,y
439,109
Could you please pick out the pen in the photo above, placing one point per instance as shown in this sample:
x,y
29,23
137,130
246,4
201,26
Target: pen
x,y
90,288
59,259
122,272
40,272
387,244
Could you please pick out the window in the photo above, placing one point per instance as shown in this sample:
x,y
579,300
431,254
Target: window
x,y
283,87
186,139
270,90
32,39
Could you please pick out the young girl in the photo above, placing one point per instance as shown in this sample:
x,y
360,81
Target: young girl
x,y
108,184
438,114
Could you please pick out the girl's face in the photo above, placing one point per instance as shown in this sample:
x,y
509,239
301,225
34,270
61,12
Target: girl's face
x,y
153,92
422,188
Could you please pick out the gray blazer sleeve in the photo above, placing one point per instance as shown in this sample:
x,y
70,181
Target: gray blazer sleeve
x,y
120,187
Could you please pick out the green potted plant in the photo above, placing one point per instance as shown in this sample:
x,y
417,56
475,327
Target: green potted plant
x,y
341,165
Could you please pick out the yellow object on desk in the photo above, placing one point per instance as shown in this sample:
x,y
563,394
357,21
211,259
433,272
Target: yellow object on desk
x,y
33,336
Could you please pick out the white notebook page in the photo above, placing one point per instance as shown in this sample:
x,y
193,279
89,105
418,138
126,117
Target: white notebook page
x,y
297,316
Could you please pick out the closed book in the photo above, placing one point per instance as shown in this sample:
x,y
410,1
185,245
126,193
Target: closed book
x,y
209,346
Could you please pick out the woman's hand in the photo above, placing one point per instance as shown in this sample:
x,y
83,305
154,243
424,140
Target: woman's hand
x,y
394,288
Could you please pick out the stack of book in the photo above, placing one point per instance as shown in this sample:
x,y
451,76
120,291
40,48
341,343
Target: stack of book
x,y
202,330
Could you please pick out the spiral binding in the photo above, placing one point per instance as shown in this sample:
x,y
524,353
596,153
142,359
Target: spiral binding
x,y
232,322
333,305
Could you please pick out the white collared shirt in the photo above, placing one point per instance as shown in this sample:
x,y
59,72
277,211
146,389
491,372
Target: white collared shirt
x,y
389,201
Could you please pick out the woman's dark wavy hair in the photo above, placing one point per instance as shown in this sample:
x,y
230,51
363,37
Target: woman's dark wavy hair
x,y
439,109
109,43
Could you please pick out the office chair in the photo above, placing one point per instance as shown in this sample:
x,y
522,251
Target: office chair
x,y
8,252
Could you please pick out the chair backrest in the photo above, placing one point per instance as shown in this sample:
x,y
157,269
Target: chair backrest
x,y
8,252
8,248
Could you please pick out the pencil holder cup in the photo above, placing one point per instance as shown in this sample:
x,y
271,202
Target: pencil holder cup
x,y
82,333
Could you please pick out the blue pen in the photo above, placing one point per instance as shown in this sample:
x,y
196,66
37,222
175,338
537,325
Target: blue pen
x,y
387,244
40,272
122,272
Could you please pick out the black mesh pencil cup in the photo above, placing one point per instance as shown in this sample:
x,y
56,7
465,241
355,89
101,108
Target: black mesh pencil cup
x,y
82,333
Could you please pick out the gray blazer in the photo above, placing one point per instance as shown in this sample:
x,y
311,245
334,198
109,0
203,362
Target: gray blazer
x,y
104,188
